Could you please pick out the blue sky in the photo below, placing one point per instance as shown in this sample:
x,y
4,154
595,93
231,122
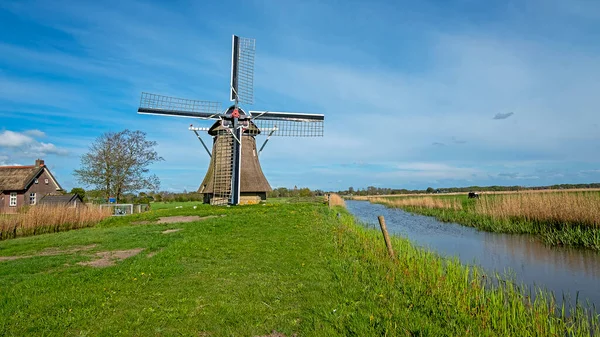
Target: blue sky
x,y
415,93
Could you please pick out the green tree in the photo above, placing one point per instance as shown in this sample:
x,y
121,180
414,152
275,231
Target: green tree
x,y
79,191
117,163
305,192
430,190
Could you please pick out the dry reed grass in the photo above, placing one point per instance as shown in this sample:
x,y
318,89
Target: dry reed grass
x,y
50,219
336,200
426,202
361,198
560,207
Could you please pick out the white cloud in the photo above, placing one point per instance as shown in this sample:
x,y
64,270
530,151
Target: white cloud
x,y
5,161
10,139
35,133
433,170
47,148
22,144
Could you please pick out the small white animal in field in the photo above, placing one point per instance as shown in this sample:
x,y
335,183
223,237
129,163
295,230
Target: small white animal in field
x,y
195,207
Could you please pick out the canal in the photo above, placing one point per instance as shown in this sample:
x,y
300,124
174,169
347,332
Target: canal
x,y
564,271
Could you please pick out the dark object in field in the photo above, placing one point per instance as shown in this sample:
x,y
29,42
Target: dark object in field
x,y
473,195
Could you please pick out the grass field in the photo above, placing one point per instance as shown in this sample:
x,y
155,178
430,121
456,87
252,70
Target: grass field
x,y
248,271
558,218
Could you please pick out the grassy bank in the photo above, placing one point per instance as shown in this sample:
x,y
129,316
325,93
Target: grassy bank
x,y
246,271
559,218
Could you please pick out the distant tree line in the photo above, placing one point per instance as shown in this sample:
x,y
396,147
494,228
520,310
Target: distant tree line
x,y
161,196
99,196
372,190
283,192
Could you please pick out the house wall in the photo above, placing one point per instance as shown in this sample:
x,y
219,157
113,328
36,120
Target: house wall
x,y
5,201
41,188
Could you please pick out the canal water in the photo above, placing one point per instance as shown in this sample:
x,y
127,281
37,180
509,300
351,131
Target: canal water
x,y
563,271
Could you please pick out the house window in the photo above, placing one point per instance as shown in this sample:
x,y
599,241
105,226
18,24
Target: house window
x,y
35,181
13,199
32,198
46,181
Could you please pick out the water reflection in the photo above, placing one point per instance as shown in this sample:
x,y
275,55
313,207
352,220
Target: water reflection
x,y
561,270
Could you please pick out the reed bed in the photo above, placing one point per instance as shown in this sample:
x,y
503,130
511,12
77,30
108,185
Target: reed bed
x,y
336,200
559,219
426,202
553,208
50,219
361,197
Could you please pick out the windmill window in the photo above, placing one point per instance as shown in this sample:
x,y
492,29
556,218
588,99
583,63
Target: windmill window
x,y
35,181
32,198
46,181
13,199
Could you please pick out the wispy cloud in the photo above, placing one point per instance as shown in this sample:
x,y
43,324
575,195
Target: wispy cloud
x,y
458,141
503,115
10,139
35,133
24,145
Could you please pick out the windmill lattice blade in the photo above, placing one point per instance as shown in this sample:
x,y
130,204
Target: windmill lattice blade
x,y
290,116
287,124
242,69
180,107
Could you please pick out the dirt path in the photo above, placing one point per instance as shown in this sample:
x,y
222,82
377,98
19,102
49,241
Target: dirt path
x,y
108,258
176,219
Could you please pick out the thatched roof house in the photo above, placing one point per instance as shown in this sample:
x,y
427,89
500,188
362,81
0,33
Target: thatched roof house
x,y
25,185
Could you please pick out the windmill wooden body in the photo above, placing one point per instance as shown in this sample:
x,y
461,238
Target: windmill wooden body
x,y
234,174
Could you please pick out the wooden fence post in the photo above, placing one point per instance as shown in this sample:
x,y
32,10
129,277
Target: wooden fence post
x,y
386,237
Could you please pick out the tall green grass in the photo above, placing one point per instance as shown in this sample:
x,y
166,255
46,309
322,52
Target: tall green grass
x,y
460,295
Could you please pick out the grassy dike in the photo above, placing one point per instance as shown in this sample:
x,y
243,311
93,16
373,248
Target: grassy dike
x,y
293,268
552,232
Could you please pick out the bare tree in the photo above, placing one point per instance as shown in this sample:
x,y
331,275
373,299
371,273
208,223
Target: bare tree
x,y
117,163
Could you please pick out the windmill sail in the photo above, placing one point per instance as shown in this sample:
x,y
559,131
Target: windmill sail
x,y
289,124
242,70
153,104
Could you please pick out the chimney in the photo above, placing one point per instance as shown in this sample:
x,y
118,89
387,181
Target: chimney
x,y
39,162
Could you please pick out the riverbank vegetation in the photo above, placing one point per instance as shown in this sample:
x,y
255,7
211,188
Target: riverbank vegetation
x,y
558,218
300,268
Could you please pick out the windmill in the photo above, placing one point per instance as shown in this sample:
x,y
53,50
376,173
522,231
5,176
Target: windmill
x,y
234,170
